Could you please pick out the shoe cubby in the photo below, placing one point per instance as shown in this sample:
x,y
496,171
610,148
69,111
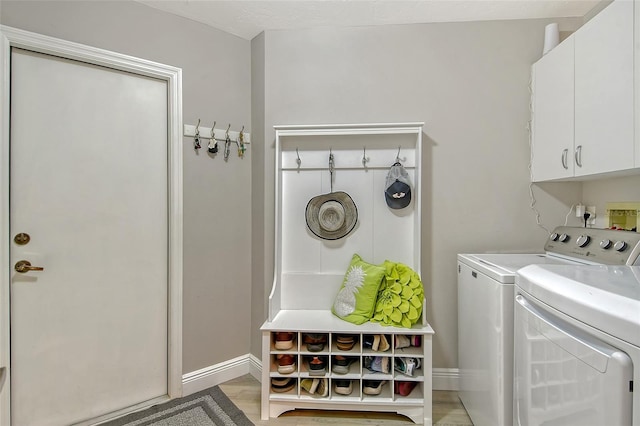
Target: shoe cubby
x,y
373,375
309,271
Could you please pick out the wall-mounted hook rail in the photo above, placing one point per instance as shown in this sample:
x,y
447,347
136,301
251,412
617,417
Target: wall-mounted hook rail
x,y
198,133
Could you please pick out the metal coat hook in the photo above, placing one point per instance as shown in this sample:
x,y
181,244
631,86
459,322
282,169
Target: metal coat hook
x,y
365,159
227,143
196,138
213,143
331,166
298,160
398,156
241,147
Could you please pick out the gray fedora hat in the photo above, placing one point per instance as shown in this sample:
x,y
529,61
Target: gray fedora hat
x,y
331,216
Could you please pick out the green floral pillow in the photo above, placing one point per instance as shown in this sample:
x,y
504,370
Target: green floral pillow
x,y
357,297
399,297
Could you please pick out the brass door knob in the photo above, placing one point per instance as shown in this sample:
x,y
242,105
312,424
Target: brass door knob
x,y
24,266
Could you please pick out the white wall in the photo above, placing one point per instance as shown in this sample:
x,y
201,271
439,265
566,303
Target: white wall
x,y
600,192
469,83
217,195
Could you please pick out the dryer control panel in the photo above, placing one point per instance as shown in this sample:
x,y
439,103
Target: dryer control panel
x,y
591,245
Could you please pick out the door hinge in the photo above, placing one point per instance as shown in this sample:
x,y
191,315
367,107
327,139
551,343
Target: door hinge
x,y
630,385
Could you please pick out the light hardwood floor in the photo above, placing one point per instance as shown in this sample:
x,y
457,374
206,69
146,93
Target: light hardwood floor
x,y
245,393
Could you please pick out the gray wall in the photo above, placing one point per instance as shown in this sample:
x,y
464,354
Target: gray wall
x,y
217,195
469,83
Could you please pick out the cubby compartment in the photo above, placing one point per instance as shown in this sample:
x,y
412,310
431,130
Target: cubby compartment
x,y
309,272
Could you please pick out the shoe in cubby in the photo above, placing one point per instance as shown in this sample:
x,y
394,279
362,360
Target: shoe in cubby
x,y
403,388
284,340
315,341
340,364
376,342
345,342
372,387
286,363
407,365
343,387
317,365
283,384
377,364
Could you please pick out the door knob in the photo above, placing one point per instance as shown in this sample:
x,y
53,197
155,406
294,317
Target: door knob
x,y
23,266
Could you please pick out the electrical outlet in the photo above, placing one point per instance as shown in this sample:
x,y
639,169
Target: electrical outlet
x,y
592,219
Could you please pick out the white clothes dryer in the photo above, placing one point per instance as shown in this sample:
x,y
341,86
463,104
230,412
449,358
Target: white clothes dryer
x,y
577,346
485,314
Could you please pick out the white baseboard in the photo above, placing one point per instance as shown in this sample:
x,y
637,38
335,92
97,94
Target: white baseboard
x,y
446,379
443,378
219,373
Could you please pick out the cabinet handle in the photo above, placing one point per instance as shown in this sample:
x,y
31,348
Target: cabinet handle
x,y
579,155
565,153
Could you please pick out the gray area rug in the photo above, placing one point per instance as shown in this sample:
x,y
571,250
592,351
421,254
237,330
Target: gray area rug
x,y
210,407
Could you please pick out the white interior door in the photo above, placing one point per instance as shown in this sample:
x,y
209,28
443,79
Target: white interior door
x,y
89,185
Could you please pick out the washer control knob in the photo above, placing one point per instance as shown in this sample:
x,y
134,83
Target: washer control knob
x,y
605,244
583,240
554,236
620,246
564,238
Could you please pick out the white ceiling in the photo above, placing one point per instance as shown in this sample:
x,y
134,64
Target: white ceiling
x,y
247,18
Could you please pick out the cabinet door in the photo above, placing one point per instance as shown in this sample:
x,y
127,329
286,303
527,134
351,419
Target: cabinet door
x,y
552,137
604,91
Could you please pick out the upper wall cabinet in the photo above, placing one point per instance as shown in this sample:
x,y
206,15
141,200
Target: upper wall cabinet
x,y
583,101
552,124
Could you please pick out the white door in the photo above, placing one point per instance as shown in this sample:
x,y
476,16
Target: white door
x,y
89,185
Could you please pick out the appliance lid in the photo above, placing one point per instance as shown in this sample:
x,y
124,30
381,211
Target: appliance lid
x,y
605,297
502,267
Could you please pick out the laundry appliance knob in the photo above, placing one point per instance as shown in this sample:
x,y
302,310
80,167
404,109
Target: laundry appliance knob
x,y
620,246
554,236
605,244
564,238
583,240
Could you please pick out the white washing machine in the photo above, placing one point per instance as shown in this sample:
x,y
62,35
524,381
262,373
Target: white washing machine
x,y
485,314
577,346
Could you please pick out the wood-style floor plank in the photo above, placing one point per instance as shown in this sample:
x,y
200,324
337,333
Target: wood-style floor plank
x,y
245,393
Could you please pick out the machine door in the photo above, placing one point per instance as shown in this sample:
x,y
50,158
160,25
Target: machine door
x,y
565,376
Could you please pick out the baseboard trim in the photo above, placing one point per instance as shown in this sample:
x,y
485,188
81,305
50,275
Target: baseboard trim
x,y
443,378
447,379
219,373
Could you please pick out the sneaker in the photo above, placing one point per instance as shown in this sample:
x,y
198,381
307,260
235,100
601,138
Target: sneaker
x,y
286,363
317,366
282,384
315,342
372,387
406,365
323,387
403,388
343,387
341,364
377,363
284,340
310,385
